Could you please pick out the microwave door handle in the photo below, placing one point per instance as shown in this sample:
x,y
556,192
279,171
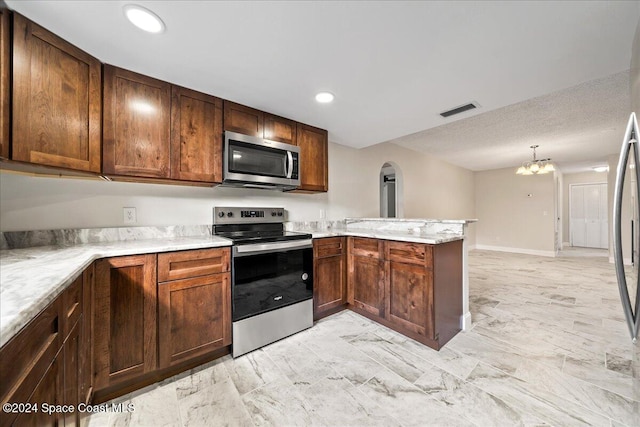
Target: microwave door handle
x,y
290,164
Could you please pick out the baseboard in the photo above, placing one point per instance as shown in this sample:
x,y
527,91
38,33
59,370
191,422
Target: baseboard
x,y
465,321
516,250
626,261
471,247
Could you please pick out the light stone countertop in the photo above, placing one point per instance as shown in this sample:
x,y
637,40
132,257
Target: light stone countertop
x,y
32,278
403,236
401,220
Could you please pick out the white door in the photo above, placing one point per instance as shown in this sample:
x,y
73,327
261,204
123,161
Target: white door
x,y
589,216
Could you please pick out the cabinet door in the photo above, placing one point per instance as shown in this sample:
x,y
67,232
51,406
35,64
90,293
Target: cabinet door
x,y
49,390
279,129
409,297
137,122
5,80
125,317
72,373
195,317
366,284
243,119
314,156
196,136
329,288
86,341
56,100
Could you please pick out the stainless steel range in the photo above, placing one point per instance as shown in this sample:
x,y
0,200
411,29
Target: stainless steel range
x,y
272,276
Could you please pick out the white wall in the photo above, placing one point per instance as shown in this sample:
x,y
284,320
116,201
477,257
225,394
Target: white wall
x,y
433,189
508,219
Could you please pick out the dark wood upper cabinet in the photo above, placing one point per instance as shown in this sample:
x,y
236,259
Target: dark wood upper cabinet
x,y
280,129
56,100
5,80
314,158
196,136
125,315
242,119
137,124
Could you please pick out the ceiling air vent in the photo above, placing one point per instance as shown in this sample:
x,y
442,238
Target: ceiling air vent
x,y
460,109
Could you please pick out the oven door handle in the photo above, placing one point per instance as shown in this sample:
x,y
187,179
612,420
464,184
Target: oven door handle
x,y
257,248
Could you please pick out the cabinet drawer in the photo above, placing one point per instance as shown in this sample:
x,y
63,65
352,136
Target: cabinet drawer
x,y
362,246
26,357
185,264
71,305
409,253
330,246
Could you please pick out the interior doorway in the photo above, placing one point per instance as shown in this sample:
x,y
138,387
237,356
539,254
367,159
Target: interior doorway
x,y
391,191
588,215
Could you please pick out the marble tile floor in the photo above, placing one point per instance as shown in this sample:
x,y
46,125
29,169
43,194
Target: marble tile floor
x,y
548,347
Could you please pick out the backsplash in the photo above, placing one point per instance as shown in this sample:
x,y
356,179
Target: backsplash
x,y
65,237
310,226
411,225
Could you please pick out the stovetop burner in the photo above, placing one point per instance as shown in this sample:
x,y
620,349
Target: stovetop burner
x,y
253,225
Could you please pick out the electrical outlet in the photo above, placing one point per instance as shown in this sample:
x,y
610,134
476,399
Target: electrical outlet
x,y
323,214
129,215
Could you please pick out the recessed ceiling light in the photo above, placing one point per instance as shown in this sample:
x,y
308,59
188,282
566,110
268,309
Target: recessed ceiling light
x,y
601,168
324,97
144,19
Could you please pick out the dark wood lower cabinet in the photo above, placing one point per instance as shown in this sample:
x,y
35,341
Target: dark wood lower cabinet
x,y
329,276
72,374
44,363
50,391
125,317
415,289
410,297
366,275
146,331
86,354
194,317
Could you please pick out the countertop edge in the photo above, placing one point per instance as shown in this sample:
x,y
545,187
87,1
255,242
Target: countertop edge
x,y
413,238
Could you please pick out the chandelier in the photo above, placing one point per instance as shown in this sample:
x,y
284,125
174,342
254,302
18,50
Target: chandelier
x,y
535,166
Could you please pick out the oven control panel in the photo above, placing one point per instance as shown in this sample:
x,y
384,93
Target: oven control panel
x,y
233,215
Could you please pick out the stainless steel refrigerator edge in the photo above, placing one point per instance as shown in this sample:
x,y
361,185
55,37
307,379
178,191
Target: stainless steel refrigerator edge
x,y
629,161
635,72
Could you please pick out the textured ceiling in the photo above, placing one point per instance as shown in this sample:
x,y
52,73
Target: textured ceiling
x,y
576,127
393,65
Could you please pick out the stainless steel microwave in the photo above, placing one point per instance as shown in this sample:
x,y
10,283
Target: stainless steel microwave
x,y
253,162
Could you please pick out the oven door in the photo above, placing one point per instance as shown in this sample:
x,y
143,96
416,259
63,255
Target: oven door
x,y
267,276
257,161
